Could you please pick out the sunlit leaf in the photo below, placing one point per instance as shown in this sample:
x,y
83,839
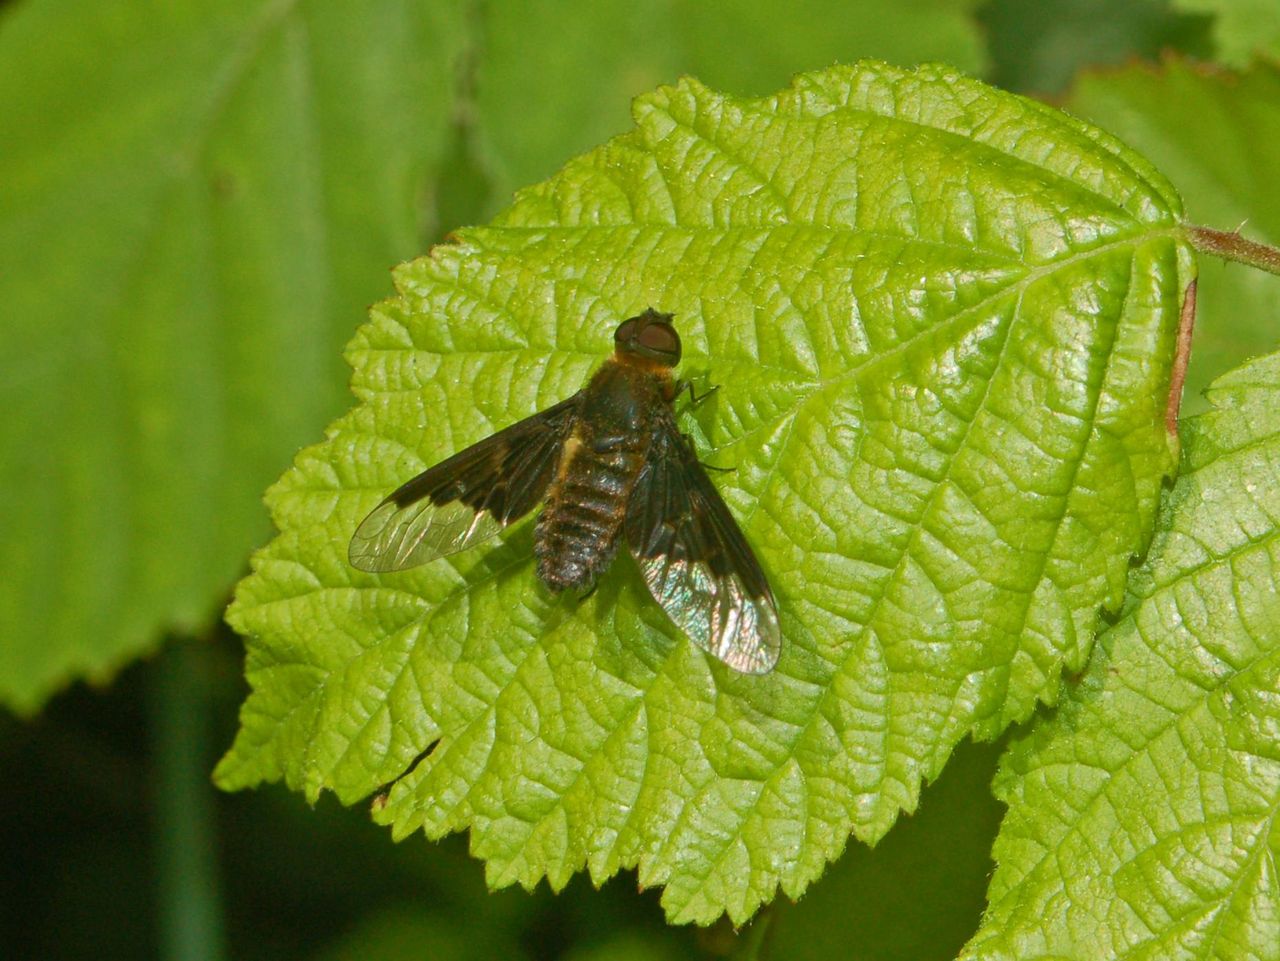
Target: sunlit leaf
x,y
942,319
1142,818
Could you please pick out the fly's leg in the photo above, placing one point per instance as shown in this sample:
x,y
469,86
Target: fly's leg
x,y
695,401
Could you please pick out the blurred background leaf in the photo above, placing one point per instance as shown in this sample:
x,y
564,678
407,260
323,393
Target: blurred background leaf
x,y
543,92
1242,29
1037,47
199,201
409,931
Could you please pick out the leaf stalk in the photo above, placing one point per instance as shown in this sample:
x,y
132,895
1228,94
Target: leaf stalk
x,y
1230,245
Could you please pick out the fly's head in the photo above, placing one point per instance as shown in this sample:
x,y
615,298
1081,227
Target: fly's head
x,y
649,338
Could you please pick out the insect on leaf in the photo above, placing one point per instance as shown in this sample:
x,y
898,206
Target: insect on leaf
x,y
941,318
609,462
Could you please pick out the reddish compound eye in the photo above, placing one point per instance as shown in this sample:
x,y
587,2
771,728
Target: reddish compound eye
x,y
626,330
649,335
660,338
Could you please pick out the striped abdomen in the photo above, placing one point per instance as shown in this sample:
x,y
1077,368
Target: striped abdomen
x,y
577,532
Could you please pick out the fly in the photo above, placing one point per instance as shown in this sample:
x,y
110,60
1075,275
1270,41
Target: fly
x,y
608,464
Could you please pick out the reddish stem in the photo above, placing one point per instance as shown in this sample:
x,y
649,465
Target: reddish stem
x,y
1231,246
1181,357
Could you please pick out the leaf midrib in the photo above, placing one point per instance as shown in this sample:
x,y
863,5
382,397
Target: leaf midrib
x,y
966,251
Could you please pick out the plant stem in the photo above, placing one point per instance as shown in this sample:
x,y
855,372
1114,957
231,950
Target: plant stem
x,y
1181,357
1231,246
190,907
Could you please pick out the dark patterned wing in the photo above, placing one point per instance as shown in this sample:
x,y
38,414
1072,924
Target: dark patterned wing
x,y
696,561
467,498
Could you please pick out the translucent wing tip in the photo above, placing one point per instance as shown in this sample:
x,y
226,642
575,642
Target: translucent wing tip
x,y
717,613
370,548
755,647
395,537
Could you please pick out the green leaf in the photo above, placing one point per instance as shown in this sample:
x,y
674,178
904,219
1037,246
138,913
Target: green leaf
x,y
942,317
1224,165
544,92
198,200
1243,29
1142,818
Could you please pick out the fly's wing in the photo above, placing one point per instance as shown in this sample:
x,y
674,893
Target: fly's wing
x,y
695,559
467,498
